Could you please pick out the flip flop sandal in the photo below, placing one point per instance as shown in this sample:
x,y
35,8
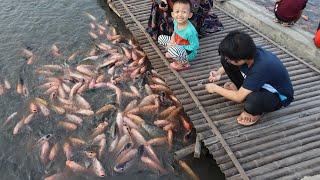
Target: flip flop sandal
x,y
252,121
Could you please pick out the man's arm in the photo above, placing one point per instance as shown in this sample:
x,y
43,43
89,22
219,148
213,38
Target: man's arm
x,y
237,96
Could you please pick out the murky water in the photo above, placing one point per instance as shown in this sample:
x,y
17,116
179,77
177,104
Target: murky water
x,y
36,25
312,11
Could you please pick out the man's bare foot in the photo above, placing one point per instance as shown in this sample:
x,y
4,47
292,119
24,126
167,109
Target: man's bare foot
x,y
247,119
230,86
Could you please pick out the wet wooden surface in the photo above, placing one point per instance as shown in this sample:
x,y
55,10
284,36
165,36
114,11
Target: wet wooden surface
x,y
282,145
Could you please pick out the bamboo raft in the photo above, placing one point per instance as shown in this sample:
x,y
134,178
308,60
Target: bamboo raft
x,y
283,145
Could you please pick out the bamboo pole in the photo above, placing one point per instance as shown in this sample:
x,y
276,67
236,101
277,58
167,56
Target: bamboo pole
x,y
299,174
197,148
273,140
281,167
182,153
271,151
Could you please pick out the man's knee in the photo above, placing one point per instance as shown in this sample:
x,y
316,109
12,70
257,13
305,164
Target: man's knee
x,y
251,104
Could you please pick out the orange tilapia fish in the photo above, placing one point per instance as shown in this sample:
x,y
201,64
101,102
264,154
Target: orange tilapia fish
x,y
74,166
102,147
9,118
28,119
74,119
2,89
27,53
18,126
7,84
105,108
136,135
170,139
157,141
188,170
91,16
100,128
165,113
148,100
20,86
44,151
131,105
98,168
67,125
43,108
153,165
53,152
73,56
82,102
93,35
186,124
90,154
85,112
57,176
136,119
77,141
67,150
55,51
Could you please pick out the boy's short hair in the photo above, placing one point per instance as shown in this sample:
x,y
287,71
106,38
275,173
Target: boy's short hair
x,y
237,45
183,2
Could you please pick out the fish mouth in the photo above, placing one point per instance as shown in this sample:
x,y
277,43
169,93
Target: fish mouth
x,y
120,168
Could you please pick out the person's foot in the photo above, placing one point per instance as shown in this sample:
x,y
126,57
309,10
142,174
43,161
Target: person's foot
x,y
247,119
178,66
230,86
285,24
168,55
276,20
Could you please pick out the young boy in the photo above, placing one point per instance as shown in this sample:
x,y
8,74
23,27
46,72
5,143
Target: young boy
x,y
183,44
266,87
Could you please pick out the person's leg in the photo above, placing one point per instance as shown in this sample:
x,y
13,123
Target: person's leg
x,y
180,57
233,72
164,40
262,101
257,103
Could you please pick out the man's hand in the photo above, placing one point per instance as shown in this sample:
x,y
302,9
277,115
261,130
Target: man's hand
x,y
214,76
211,87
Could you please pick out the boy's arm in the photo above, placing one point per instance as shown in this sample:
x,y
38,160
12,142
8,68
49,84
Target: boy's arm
x,y
172,41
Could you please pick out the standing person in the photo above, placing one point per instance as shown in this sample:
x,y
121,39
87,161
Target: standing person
x,y
182,46
260,90
317,37
288,12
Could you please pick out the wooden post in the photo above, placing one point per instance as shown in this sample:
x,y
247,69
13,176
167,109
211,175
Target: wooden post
x,y
197,148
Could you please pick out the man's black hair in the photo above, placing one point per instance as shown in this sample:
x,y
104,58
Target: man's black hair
x,y
183,2
237,45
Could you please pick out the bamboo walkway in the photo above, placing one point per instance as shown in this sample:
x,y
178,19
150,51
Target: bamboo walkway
x,y
284,145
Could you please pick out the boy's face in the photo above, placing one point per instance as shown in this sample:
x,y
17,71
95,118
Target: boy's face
x,y
181,12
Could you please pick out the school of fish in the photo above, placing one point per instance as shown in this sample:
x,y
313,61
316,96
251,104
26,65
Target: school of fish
x,y
142,116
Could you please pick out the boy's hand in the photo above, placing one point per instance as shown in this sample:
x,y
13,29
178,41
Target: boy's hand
x,y
214,76
170,44
211,87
